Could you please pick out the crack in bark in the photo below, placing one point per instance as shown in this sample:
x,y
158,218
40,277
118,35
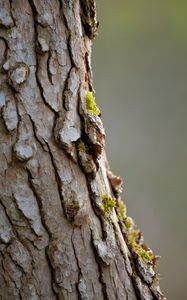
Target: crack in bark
x,y
27,220
9,219
88,72
39,84
69,38
58,180
11,12
8,274
38,138
79,268
39,202
65,89
68,33
6,50
99,264
49,75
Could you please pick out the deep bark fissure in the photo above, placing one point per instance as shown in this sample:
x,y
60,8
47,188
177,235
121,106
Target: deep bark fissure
x,y
10,278
48,71
41,89
69,37
39,202
26,220
57,179
44,225
79,268
9,219
66,89
99,265
38,138
37,59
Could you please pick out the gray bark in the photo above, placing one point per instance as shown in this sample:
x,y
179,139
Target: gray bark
x,y
55,241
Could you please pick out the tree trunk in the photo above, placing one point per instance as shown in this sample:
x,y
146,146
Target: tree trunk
x,y
63,229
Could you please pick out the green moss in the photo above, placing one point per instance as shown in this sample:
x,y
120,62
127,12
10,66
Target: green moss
x,y
83,147
88,5
91,104
121,210
132,235
56,246
108,203
75,203
128,221
146,255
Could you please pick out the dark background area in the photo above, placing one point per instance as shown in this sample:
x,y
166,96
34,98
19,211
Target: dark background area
x,y
140,77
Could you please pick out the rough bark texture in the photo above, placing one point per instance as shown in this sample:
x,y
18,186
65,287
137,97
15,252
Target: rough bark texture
x,y
56,240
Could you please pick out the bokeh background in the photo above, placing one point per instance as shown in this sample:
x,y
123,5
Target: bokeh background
x,y
140,77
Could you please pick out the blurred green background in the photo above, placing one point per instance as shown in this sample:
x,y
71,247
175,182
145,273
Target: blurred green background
x,y
140,77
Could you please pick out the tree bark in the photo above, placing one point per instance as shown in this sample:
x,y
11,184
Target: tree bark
x,y
62,234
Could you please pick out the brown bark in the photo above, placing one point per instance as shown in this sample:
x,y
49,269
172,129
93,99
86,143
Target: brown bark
x,y
55,240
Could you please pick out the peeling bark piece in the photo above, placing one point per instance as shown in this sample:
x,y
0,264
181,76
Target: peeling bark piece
x,y
38,112
50,82
25,146
70,94
27,203
68,129
116,182
106,248
43,44
5,16
18,76
104,251
20,256
10,114
71,12
23,151
6,233
145,270
67,133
